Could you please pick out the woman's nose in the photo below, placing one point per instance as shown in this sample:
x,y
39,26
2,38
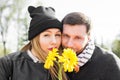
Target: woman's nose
x,y
53,40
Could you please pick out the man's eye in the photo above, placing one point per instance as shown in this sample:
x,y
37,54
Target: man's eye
x,y
77,38
65,35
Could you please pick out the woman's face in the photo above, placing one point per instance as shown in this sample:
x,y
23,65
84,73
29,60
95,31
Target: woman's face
x,y
49,39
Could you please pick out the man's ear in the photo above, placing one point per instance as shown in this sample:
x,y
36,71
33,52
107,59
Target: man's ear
x,y
89,37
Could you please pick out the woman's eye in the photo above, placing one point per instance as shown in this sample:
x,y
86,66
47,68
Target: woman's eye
x,y
46,35
58,34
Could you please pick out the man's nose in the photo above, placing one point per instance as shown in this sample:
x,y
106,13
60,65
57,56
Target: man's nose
x,y
70,43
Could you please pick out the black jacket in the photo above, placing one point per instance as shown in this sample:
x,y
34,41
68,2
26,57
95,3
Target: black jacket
x,y
102,66
19,66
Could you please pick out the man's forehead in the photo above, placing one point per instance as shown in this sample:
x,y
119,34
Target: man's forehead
x,y
74,29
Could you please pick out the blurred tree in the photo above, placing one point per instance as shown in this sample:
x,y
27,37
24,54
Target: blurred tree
x,y
116,46
23,34
21,22
2,51
5,18
103,44
11,11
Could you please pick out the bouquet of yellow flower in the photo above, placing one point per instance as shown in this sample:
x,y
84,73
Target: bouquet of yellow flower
x,y
67,61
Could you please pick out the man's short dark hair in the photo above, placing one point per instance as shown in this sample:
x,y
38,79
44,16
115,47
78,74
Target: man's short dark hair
x,y
77,18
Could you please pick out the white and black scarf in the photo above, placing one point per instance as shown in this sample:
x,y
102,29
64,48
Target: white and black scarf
x,y
86,53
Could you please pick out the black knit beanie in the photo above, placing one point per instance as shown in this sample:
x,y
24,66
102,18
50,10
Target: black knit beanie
x,y
42,18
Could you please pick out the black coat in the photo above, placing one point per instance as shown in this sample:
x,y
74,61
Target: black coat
x,y
19,66
102,66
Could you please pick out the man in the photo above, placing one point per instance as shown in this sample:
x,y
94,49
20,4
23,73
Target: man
x,y
94,62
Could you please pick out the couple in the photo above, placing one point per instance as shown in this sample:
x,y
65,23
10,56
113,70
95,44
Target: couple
x,y
45,33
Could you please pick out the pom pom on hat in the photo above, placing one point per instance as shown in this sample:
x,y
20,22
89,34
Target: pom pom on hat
x,y
42,18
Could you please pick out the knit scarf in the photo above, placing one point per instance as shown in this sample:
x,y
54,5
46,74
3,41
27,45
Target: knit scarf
x,y
86,54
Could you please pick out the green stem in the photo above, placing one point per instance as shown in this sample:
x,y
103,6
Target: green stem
x,y
60,72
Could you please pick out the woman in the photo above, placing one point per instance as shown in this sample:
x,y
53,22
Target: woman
x,y
44,35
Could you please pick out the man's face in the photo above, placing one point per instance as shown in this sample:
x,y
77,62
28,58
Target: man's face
x,y
74,37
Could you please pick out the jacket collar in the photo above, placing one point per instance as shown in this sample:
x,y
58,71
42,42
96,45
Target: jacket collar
x,y
34,58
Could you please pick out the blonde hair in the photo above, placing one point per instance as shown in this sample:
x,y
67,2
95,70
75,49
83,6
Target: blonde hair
x,y
41,55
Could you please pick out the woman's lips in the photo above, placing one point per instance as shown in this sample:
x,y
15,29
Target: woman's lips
x,y
51,48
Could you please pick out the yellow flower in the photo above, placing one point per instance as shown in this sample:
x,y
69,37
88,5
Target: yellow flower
x,y
69,60
51,58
